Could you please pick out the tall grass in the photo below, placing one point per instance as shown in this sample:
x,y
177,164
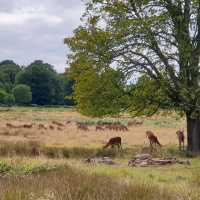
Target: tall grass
x,y
68,184
34,148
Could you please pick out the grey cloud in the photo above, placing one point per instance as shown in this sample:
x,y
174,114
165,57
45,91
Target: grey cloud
x,y
38,35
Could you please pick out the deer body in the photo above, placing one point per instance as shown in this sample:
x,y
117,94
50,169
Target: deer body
x,y
83,127
181,138
99,128
153,140
116,141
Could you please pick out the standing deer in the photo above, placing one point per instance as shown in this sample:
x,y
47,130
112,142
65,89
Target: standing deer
x,y
114,141
181,138
152,139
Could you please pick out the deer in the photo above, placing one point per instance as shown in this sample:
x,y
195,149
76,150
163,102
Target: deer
x,y
13,126
83,127
51,127
57,123
28,125
181,138
99,128
42,126
115,141
122,128
152,139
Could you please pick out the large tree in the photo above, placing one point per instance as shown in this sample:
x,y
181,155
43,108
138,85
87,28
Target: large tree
x,y
43,81
156,38
8,72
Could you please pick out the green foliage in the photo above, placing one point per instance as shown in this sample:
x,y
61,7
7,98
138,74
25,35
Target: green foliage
x,y
67,88
9,99
3,94
44,83
139,38
99,94
22,94
146,97
8,72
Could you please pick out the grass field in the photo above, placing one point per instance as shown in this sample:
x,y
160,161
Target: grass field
x,y
48,163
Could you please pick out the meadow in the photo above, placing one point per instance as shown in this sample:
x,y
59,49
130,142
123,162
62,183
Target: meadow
x,y
48,163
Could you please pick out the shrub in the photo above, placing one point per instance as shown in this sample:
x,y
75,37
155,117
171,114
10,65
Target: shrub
x,y
22,94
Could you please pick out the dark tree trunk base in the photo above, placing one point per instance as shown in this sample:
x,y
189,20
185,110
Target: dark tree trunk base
x,y
193,135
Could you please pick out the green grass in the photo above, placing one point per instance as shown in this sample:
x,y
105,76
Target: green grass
x,y
13,167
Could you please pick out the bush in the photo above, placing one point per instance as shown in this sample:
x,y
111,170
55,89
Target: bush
x,y
22,94
9,100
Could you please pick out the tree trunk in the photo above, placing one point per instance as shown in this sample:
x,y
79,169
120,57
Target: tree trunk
x,y
193,134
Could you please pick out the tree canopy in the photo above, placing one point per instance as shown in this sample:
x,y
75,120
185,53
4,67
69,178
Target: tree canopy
x,y
156,38
22,94
44,83
8,72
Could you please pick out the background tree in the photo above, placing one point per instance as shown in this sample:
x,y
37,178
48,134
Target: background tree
x,y
3,94
44,83
9,100
22,94
67,88
8,72
156,38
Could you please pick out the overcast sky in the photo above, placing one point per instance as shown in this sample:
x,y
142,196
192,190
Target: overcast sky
x,y
35,29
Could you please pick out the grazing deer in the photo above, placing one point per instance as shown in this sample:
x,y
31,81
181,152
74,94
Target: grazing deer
x,y
9,125
59,129
99,128
28,125
57,123
51,127
114,141
152,139
83,127
181,138
42,126
68,122
13,126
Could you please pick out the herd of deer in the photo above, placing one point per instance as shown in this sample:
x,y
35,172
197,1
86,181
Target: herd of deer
x,y
53,126
111,127
115,141
153,140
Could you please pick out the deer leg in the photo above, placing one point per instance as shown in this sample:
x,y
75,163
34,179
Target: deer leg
x,y
179,145
151,146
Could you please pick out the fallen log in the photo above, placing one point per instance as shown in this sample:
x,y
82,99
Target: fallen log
x,y
145,160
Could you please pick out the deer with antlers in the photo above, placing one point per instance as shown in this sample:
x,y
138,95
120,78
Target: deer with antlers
x,y
115,141
153,140
181,138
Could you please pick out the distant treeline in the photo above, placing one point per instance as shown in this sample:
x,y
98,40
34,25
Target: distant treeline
x,y
35,84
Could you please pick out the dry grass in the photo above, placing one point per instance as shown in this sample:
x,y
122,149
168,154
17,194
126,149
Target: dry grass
x,y
68,184
85,182
163,126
